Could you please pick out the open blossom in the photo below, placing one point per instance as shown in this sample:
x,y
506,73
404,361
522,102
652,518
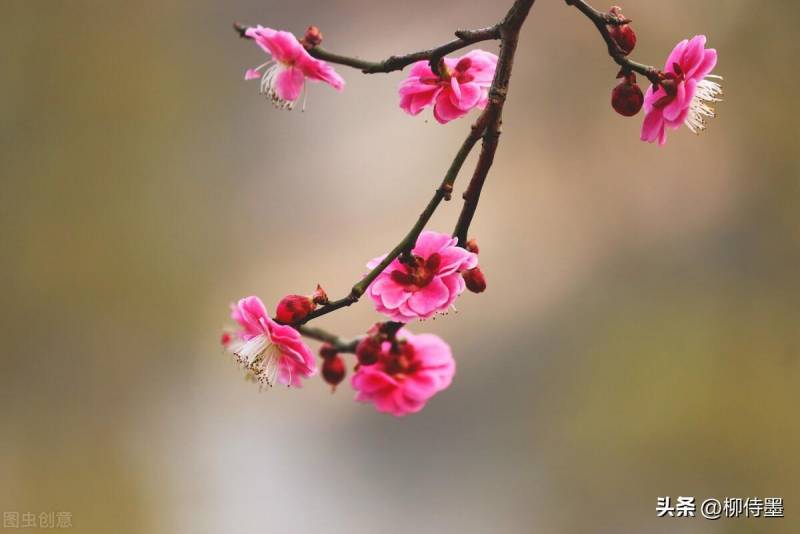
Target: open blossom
x,y
687,94
427,284
407,374
284,76
464,84
271,351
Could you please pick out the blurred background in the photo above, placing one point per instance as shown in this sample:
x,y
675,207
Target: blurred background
x,y
639,337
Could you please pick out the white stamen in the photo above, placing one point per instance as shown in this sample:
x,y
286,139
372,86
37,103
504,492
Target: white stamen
x,y
701,108
260,356
268,81
248,352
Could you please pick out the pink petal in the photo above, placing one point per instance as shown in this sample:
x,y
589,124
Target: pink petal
x,y
430,298
393,298
289,83
444,111
674,108
456,259
676,55
430,242
705,66
318,70
421,69
693,55
455,96
662,135
470,96
652,125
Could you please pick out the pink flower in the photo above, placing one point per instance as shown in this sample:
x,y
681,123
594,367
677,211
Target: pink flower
x,y
687,95
271,351
285,74
464,85
406,376
428,284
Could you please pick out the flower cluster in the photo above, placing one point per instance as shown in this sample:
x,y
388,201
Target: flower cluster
x,y
397,371
685,92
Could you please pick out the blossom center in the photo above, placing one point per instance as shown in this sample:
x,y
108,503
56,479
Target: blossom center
x,y
401,361
419,272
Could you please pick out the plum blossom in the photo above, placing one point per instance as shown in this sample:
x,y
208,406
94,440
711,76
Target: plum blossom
x,y
284,77
464,84
271,351
409,371
687,94
426,283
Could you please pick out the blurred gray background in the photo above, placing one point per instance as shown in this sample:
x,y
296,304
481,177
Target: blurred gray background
x,y
639,336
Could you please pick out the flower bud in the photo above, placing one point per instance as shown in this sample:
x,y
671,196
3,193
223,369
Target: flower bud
x,y
226,339
333,370
327,351
622,34
472,246
293,308
627,97
313,37
368,350
476,281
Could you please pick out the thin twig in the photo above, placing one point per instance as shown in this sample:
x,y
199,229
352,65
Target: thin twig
x,y
341,345
464,38
408,242
487,127
497,96
602,21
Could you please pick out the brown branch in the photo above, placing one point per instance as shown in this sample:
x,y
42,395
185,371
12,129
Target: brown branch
x,y
487,127
602,21
408,242
341,345
497,96
464,38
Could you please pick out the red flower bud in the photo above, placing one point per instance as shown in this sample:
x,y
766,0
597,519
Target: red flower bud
x,y
368,350
333,370
312,38
627,97
476,281
327,351
622,34
472,246
293,308
226,339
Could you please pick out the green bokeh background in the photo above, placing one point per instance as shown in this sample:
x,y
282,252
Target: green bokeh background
x,y
639,336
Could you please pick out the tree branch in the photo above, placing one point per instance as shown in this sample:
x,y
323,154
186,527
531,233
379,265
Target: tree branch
x,y
497,96
341,345
487,127
408,242
464,38
602,21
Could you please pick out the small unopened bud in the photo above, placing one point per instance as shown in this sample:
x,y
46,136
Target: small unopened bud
x,y
622,34
226,339
627,97
313,37
327,351
368,350
333,371
293,308
476,281
319,297
472,246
